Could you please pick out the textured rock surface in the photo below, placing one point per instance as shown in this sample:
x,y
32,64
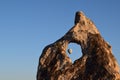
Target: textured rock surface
x,y
97,61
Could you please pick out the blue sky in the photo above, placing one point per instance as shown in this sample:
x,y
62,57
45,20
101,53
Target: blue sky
x,y
27,26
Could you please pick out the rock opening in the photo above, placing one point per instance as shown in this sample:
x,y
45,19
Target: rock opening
x,y
76,51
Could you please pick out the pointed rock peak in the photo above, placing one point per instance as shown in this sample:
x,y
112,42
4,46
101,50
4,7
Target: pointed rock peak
x,y
79,13
79,17
96,63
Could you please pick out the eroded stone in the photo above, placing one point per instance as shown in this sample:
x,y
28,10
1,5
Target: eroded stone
x,y
96,63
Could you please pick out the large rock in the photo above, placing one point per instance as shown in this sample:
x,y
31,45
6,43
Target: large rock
x,y
97,61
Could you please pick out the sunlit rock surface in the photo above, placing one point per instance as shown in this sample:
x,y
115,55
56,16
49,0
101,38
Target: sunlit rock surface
x,y
97,61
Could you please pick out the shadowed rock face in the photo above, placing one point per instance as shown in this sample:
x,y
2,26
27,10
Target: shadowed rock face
x,y
97,61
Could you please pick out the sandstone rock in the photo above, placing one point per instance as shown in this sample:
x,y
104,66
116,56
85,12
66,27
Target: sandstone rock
x,y
97,61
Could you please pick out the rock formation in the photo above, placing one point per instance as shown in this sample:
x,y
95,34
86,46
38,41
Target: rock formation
x,y
97,61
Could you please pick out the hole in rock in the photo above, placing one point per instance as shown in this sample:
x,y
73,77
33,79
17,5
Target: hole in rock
x,y
74,51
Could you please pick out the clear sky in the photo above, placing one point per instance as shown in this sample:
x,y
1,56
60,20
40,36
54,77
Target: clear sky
x,y
27,26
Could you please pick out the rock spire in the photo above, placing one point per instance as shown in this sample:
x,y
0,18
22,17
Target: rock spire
x,y
97,61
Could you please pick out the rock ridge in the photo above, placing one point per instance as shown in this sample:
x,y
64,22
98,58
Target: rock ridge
x,y
97,61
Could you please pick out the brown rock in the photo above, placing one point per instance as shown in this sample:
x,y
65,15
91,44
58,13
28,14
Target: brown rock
x,y
96,63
